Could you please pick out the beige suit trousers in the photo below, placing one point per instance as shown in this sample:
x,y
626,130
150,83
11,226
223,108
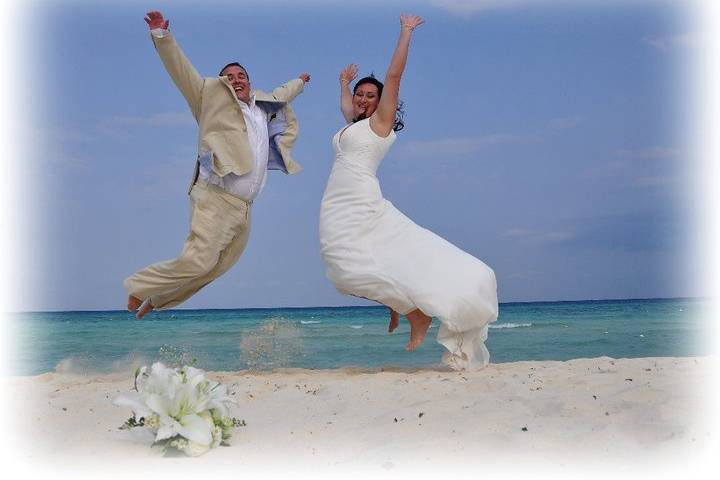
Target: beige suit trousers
x,y
219,228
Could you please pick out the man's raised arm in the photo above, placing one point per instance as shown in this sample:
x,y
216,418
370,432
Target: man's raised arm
x,y
184,75
289,90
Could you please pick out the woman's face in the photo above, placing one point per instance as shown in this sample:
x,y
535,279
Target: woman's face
x,y
365,101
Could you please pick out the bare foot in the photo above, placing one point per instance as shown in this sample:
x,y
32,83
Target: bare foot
x,y
133,303
146,307
419,325
394,321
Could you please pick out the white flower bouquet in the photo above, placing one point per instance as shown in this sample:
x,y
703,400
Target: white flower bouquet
x,y
186,411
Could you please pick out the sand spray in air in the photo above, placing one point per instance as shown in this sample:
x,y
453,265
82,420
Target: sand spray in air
x,y
89,365
276,343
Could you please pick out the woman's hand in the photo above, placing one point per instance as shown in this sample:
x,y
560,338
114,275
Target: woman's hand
x,y
410,22
348,74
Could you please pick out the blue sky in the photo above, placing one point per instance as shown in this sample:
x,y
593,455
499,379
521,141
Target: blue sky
x,y
545,138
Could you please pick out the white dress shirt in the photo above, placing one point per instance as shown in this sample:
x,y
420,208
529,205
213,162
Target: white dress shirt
x,y
247,186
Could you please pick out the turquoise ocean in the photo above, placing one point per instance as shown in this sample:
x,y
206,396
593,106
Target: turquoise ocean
x,y
337,337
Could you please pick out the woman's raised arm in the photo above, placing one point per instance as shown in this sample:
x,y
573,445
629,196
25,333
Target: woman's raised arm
x,y
347,75
384,117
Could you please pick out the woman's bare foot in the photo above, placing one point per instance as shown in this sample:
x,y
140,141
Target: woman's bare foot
x,y
146,307
419,325
133,303
394,321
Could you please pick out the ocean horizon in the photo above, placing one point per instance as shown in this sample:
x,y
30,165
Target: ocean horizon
x,y
262,339
650,299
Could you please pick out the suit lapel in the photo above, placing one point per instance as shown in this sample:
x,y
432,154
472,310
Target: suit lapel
x,y
226,82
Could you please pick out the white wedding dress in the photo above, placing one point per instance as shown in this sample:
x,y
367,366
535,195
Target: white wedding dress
x,y
373,251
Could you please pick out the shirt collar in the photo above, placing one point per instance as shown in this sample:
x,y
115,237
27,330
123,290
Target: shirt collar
x,y
248,105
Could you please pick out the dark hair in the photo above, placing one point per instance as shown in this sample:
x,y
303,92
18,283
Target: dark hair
x,y
234,64
398,124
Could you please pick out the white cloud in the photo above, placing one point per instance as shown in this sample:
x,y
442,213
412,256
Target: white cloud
x,y
539,237
59,165
652,153
470,7
524,275
516,232
406,179
56,148
664,44
157,120
462,146
564,123
68,135
54,137
164,178
655,181
550,237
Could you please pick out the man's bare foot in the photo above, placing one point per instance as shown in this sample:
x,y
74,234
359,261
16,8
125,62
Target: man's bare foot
x,y
133,303
146,307
394,321
419,325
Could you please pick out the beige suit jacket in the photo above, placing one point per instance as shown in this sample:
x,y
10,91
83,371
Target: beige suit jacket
x,y
223,132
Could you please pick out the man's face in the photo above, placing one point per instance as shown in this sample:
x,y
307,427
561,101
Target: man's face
x,y
239,81
365,101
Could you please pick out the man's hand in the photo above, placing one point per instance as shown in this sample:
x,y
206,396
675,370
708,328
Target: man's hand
x,y
155,20
305,77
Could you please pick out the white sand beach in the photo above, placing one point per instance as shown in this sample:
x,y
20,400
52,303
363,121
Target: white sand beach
x,y
595,416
